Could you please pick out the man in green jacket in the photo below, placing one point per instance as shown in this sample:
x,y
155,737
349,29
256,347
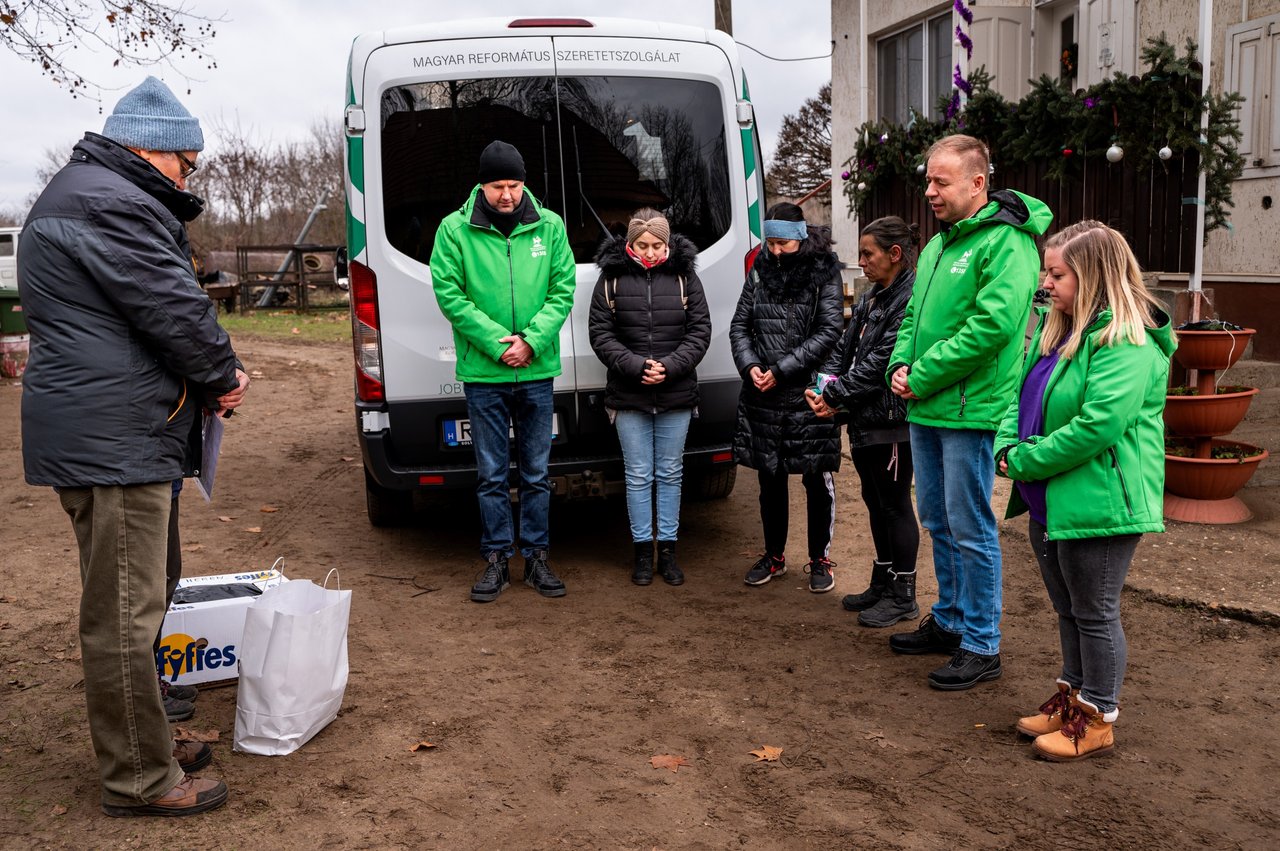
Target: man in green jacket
x,y
956,361
504,277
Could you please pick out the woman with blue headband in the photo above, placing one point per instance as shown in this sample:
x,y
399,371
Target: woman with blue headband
x,y
788,319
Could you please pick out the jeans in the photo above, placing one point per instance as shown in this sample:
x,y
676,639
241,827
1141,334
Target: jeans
x,y
122,533
955,471
820,508
885,472
494,409
1084,578
653,453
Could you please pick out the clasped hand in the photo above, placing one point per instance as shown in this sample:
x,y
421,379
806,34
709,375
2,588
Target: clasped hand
x,y
654,372
763,380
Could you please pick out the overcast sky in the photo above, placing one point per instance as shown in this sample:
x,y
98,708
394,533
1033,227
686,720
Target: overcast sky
x,y
282,65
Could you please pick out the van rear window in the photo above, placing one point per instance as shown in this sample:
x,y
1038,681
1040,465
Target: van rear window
x,y
608,144
6,245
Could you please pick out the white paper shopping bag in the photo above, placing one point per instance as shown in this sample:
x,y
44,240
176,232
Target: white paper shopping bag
x,y
293,666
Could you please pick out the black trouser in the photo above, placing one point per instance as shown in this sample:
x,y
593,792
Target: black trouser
x,y
886,489
820,496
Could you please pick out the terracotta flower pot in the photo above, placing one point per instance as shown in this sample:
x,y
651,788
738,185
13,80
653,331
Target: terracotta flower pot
x,y
1211,349
1210,478
1207,416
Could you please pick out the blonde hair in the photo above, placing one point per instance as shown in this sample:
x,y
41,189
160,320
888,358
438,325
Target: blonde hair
x,y
1108,276
973,151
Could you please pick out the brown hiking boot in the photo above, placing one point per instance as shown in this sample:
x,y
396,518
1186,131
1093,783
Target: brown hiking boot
x,y
1049,719
192,756
192,795
1085,732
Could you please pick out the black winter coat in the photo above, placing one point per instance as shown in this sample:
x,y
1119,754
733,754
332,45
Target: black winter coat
x,y
125,346
649,320
874,414
788,320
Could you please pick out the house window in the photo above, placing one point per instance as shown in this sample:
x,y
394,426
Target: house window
x,y
914,69
1253,70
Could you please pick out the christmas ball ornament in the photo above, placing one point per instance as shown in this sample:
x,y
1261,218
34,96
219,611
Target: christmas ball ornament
x,y
1115,153
844,175
1066,152
1165,152
884,137
991,168
862,187
920,169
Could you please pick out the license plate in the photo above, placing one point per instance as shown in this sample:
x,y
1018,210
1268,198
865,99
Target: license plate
x,y
458,432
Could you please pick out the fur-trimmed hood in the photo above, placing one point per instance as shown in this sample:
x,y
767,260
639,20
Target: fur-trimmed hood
x,y
612,258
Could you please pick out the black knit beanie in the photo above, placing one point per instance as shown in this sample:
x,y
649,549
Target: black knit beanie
x,y
500,161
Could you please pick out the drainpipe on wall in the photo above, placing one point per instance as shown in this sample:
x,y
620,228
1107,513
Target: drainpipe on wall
x,y
1206,52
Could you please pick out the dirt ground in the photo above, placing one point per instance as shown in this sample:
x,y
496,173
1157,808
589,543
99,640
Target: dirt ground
x,y
546,712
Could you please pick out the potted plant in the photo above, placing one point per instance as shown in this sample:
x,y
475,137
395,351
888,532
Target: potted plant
x,y
1202,471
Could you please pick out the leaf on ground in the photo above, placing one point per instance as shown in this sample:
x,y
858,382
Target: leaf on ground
x,y
421,746
767,753
225,519
58,810
183,734
257,373
347,458
268,509
253,528
668,760
192,548
878,738
6,625
8,600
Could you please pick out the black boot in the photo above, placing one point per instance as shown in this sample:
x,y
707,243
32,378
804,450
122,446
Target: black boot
x,y
667,568
868,598
642,571
496,577
898,602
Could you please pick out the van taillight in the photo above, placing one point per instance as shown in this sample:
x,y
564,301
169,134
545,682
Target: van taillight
x,y
522,23
364,333
749,259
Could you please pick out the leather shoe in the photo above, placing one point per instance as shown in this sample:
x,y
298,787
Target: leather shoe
x,y
965,670
928,637
192,756
192,795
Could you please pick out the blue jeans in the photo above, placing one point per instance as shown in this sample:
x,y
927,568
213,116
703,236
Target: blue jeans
x,y
494,409
955,471
653,452
1084,578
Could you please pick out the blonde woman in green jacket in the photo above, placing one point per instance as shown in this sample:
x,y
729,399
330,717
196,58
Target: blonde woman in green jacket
x,y
1084,444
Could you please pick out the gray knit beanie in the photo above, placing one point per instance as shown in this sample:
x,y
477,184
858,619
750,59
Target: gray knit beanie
x,y
152,119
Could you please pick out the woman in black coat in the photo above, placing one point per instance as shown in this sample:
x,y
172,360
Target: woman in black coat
x,y
650,326
788,320
879,439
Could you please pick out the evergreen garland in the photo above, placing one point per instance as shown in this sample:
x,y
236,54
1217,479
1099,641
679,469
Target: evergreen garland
x,y
1141,114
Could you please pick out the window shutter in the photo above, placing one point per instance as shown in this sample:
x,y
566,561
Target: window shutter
x,y
1272,91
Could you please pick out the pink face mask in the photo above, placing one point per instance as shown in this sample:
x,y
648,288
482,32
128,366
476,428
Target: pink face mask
x,y
662,258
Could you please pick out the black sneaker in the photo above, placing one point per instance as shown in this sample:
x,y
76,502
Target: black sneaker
x,y
494,580
965,670
538,576
821,576
928,637
765,569
178,710
168,689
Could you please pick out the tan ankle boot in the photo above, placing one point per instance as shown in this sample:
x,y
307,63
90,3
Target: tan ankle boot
x,y
1085,732
1049,719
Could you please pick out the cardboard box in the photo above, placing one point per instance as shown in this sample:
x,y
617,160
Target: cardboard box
x,y
200,642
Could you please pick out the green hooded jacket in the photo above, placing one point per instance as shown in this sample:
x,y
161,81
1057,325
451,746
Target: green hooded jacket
x,y
490,286
963,331
1103,446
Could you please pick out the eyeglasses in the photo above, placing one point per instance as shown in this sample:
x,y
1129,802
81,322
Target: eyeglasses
x,y
188,167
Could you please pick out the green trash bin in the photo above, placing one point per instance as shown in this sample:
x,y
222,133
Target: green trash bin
x,y
12,320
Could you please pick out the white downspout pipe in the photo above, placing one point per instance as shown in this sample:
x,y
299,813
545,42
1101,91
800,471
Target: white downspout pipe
x,y
1194,285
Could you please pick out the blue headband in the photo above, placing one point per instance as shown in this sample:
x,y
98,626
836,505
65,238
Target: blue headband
x,y
782,229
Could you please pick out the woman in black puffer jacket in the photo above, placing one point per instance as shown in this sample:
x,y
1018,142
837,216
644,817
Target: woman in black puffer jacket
x,y
879,439
651,327
788,319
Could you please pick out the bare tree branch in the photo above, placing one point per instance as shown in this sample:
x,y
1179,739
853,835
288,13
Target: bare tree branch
x,y
802,160
139,33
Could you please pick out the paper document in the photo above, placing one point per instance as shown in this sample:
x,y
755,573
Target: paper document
x,y
211,439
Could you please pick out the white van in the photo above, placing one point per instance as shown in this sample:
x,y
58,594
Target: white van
x,y
610,115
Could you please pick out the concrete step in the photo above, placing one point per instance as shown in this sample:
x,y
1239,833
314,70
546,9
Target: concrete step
x,y
1262,374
